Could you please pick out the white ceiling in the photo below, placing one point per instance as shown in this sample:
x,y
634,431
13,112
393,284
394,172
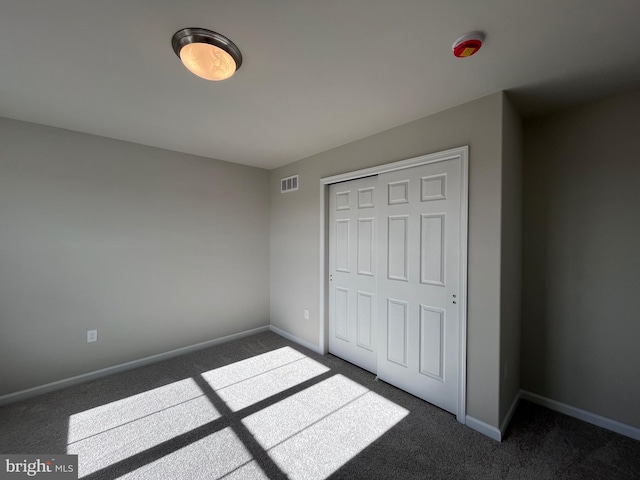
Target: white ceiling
x,y
316,74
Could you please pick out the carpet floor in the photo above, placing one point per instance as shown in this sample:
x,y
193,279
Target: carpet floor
x,y
264,407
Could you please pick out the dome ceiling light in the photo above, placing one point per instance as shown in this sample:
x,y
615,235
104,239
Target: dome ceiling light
x,y
206,54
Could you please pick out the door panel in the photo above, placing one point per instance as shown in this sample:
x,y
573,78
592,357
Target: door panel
x,y
366,326
353,303
432,249
431,341
419,214
397,246
366,238
397,333
342,245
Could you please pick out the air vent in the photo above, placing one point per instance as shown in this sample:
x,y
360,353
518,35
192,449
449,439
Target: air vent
x,y
289,184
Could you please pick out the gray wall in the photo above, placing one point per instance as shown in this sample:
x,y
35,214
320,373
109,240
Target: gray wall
x,y
581,301
511,259
295,231
155,249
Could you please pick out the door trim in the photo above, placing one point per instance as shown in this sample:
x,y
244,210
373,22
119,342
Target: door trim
x,y
463,154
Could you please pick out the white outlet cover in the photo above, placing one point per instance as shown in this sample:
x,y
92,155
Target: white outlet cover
x,y
92,336
306,314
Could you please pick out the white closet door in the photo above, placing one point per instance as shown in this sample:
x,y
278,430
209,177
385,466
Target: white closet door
x,y
419,211
353,271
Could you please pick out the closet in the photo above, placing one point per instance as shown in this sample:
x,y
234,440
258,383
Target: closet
x,y
397,267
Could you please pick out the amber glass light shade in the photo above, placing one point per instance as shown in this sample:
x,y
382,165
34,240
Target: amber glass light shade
x,y
207,61
207,54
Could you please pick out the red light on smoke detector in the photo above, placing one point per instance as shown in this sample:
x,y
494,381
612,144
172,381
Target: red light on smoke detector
x,y
468,44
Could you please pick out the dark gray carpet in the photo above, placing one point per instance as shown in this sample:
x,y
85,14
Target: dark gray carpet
x,y
263,407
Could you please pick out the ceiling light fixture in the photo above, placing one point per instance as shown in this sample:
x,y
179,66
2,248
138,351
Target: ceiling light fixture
x,y
206,54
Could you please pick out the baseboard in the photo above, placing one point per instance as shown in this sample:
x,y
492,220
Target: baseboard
x,y
594,419
293,338
68,382
512,409
484,428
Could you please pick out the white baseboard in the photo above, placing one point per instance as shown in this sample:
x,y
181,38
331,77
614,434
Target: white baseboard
x,y
594,419
484,428
293,338
490,431
68,382
509,415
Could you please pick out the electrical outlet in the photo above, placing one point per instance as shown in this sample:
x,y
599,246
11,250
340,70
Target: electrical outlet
x,y
92,336
306,314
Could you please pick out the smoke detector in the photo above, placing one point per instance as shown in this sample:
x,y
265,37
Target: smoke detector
x,y
468,44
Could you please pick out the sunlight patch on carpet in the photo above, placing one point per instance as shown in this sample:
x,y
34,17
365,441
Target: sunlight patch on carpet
x,y
311,434
105,417
220,455
114,432
308,435
245,369
247,382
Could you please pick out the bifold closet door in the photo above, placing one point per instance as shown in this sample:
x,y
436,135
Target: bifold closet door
x,y
352,272
418,285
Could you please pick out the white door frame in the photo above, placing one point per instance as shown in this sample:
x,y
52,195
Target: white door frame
x,y
463,154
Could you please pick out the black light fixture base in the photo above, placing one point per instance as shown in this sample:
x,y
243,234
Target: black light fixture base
x,y
187,36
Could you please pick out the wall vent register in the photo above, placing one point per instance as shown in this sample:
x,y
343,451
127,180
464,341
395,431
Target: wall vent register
x,y
289,184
